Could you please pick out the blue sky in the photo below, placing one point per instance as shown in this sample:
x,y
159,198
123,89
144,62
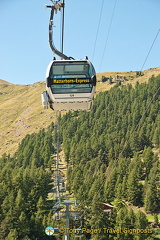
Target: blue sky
x,y
24,48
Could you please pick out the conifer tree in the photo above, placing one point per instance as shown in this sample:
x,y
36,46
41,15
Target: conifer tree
x,y
109,187
23,226
124,187
13,235
152,195
148,158
156,136
134,188
19,201
40,208
121,223
141,223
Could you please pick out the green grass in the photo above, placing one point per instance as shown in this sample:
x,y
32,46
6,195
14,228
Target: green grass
x,y
157,237
150,217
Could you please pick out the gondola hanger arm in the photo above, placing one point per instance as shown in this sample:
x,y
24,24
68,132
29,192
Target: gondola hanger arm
x,y
54,8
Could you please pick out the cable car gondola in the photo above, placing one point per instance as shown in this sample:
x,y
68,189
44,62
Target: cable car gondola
x,y
70,85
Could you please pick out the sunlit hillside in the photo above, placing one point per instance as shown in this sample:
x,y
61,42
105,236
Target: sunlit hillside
x,y
21,112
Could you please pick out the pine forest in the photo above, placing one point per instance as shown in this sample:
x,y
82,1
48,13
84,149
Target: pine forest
x,y
112,157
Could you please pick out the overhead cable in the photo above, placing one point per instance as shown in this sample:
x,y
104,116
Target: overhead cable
x,y
150,49
108,34
97,30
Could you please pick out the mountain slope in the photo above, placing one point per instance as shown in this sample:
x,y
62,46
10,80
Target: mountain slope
x,y
21,112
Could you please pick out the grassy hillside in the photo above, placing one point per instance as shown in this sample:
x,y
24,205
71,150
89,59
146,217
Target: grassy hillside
x,y
21,111
130,76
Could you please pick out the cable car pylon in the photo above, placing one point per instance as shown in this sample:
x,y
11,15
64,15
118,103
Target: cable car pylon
x,y
70,85
59,185
61,209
